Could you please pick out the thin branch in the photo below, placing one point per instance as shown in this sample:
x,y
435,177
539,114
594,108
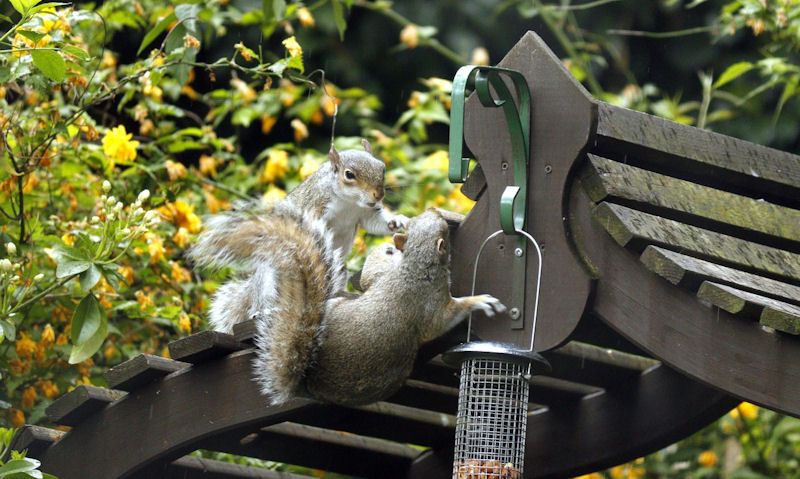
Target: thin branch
x,y
672,34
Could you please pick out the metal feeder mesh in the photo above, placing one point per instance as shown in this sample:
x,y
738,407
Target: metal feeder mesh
x,y
492,420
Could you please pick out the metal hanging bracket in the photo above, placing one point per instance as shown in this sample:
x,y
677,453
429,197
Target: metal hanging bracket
x,y
513,200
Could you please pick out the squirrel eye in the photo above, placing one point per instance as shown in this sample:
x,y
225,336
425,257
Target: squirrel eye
x,y
349,175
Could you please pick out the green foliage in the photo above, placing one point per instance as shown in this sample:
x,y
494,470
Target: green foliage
x,y
18,466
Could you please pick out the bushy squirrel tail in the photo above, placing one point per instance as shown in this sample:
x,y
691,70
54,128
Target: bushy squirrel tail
x,y
292,269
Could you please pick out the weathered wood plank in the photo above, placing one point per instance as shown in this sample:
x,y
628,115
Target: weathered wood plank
x,y
772,313
698,155
143,369
595,366
245,331
612,180
203,346
689,273
80,403
425,395
636,230
475,184
34,439
189,467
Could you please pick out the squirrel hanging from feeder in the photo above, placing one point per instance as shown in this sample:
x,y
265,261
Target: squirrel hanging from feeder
x,y
313,341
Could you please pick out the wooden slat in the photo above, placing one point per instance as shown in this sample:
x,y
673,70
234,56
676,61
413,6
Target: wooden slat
x,y
142,369
245,331
689,273
772,313
80,403
600,367
189,467
34,439
320,448
698,155
424,395
606,179
636,229
203,346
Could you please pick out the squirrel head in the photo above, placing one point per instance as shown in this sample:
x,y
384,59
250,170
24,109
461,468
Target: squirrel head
x,y
381,259
359,175
427,239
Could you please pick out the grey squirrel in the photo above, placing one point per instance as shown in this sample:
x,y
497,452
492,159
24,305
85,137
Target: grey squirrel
x,y
314,342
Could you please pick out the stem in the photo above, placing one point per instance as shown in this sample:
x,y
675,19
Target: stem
x,y
673,34
21,187
706,81
42,293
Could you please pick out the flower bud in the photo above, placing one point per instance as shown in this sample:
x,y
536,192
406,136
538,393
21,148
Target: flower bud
x,y
111,200
5,264
11,248
106,186
118,206
149,215
38,277
143,195
95,219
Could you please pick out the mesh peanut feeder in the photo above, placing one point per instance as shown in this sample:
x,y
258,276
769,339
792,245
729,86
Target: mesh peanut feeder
x,y
495,377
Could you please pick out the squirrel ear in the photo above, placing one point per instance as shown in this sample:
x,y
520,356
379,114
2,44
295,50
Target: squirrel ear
x,y
441,246
366,145
333,155
400,241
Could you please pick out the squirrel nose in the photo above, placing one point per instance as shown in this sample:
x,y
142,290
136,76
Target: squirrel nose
x,y
378,194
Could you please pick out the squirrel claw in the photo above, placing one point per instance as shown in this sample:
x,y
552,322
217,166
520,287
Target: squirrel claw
x,y
489,305
399,222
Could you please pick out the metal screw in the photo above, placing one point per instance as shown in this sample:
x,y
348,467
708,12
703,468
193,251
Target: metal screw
x,y
504,165
548,169
501,247
518,252
514,313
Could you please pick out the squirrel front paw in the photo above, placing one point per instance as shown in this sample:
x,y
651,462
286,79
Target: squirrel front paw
x,y
398,222
488,304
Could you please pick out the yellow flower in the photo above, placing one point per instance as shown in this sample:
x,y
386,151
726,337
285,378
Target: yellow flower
x,y
127,273
181,237
294,48
109,60
308,168
118,145
29,397
190,41
62,339
415,99
144,300
155,247
245,90
305,17
49,389
245,52
48,336
746,410
276,167
300,130
184,323
17,417
459,202
208,165
110,352
409,36
153,91
707,459
182,215
25,346
273,194
175,170
178,273
594,475
213,203
267,122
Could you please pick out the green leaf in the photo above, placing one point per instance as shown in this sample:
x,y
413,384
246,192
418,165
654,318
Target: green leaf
x,y
22,6
42,6
31,35
296,63
68,266
6,19
76,52
82,352
7,330
50,63
88,317
187,14
733,72
86,320
90,277
274,10
338,17
18,465
156,31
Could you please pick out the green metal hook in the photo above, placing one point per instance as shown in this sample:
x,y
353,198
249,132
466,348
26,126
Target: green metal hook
x,y
513,200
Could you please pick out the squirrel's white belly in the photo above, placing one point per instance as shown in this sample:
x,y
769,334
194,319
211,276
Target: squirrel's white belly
x,y
342,218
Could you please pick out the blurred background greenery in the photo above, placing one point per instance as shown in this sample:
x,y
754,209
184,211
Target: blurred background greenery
x,y
201,104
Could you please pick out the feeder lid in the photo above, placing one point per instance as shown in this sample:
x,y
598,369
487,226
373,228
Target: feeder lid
x,y
496,350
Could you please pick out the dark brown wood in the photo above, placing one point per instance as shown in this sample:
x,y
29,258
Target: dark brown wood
x,y
200,468
34,439
595,366
774,314
697,155
321,449
475,185
141,370
673,325
689,273
163,421
203,346
728,213
636,229
430,465
562,125
80,403
245,331
424,395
